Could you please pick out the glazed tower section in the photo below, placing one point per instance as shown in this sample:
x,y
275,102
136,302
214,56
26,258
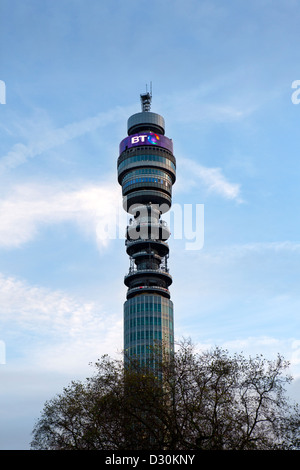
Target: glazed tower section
x,y
146,172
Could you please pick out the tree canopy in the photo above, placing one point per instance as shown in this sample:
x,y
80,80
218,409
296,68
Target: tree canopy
x,y
195,400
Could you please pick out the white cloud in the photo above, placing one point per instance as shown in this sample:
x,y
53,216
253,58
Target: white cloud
x,y
263,272
269,347
211,178
46,139
28,207
55,330
242,250
207,103
250,288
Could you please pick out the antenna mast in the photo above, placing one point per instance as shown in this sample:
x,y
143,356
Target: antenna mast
x,y
146,99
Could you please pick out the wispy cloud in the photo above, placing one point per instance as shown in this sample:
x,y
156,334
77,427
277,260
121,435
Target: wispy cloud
x,y
256,248
268,346
73,331
52,138
250,287
213,101
212,179
28,207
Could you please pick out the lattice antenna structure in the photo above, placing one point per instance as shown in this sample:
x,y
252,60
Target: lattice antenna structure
x,y
146,99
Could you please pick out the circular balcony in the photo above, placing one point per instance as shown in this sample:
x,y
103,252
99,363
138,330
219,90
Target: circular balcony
x,y
147,276
135,246
143,255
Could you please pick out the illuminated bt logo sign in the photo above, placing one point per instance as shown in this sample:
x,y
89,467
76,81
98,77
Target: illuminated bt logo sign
x,y
144,138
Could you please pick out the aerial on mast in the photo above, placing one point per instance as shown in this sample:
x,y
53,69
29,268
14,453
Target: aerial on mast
x,y
146,99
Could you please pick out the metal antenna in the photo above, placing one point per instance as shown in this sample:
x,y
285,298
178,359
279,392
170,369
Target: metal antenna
x,y
146,99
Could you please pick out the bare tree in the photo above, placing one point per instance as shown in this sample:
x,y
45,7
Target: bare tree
x,y
206,400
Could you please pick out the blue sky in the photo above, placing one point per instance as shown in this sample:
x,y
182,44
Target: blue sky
x,y
222,75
